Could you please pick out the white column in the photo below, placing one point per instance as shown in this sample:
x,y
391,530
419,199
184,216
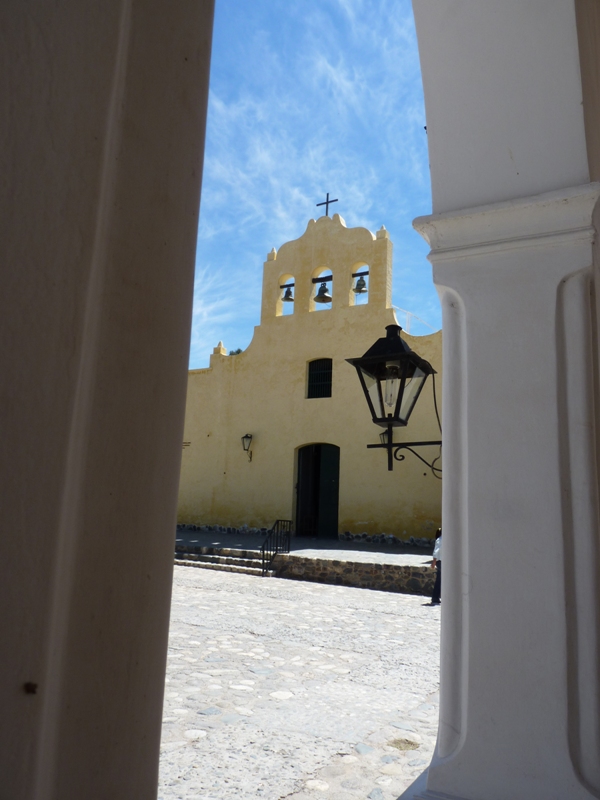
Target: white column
x,y
512,250
503,98
519,699
104,106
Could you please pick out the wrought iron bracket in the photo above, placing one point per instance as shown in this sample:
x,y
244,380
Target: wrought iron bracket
x,y
393,451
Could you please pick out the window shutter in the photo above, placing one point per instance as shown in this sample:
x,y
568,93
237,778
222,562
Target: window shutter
x,y
319,378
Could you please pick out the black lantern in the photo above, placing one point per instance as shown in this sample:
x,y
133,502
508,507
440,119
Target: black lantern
x,y
392,377
322,295
246,442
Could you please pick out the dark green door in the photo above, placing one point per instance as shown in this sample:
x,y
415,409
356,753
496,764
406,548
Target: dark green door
x,y
318,491
329,491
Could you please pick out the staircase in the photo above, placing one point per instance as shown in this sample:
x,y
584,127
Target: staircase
x,y
248,562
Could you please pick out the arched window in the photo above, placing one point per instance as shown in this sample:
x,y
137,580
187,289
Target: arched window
x,y
319,378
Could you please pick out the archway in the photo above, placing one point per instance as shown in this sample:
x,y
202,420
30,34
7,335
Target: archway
x,y
318,491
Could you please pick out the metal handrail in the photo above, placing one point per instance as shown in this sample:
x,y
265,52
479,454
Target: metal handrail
x,y
277,541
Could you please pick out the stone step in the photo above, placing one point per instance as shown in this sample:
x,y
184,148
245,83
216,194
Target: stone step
x,y
216,565
252,555
239,562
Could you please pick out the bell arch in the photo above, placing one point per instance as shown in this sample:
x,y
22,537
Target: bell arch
x,y
358,290
284,305
322,288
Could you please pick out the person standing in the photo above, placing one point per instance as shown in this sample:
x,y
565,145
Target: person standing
x,y
436,597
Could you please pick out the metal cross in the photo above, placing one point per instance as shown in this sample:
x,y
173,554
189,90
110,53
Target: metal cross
x,y
327,203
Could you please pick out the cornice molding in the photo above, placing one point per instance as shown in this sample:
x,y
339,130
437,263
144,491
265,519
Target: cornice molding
x,y
549,219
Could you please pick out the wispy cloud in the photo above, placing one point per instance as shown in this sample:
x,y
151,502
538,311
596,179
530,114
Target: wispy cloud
x,y
326,97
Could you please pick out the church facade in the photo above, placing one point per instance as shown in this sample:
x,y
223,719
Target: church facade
x,y
294,393
101,256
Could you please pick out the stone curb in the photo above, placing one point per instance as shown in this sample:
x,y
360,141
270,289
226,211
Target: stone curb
x,y
383,577
401,578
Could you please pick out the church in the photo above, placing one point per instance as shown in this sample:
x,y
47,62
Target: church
x,y
295,403
102,165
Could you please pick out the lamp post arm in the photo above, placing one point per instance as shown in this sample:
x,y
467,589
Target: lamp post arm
x,y
394,452
431,466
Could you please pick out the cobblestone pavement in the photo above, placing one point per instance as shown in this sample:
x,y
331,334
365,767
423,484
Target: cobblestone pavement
x,y
285,689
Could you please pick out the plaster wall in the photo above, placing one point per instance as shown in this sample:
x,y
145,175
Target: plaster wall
x,y
518,465
503,99
104,108
262,391
510,108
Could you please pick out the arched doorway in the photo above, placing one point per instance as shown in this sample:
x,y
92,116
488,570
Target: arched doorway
x,y
318,491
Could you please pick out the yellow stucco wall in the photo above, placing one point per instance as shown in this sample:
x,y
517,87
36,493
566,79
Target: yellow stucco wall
x,y
262,391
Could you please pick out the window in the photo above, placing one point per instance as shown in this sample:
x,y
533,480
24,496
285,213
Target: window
x,y
319,378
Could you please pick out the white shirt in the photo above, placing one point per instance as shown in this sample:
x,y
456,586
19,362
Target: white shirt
x,y
437,549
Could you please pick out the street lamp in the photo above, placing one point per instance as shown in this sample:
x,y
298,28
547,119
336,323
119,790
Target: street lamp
x,y
392,377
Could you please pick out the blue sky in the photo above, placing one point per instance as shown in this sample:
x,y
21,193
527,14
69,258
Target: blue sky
x,y
308,98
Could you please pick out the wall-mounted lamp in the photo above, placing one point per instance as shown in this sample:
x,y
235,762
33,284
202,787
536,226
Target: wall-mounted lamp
x,y
246,442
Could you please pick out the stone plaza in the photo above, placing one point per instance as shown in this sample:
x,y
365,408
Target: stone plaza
x,y
287,689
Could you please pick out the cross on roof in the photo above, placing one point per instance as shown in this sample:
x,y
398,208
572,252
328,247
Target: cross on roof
x,y
327,203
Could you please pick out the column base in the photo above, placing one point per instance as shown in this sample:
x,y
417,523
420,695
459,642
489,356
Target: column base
x,y
417,788
418,791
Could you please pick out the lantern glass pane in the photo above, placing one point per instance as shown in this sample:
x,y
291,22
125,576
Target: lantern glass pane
x,y
392,386
374,395
412,389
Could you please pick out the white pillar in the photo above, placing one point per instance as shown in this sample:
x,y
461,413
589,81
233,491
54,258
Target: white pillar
x,y
519,702
512,250
104,107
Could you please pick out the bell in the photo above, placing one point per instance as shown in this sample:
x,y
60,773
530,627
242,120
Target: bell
x,y
287,297
361,286
322,296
